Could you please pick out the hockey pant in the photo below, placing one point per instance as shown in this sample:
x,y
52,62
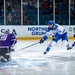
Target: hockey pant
x,y
5,54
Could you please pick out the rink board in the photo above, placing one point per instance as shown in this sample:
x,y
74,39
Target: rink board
x,y
33,31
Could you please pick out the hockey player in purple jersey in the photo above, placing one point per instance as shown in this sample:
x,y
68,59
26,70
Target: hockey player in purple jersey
x,y
57,32
7,40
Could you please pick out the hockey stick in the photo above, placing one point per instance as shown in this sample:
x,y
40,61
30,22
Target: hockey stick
x,y
29,46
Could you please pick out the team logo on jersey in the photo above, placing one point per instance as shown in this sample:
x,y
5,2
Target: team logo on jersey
x,y
3,37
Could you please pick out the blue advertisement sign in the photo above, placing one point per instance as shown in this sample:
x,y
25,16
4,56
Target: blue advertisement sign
x,y
37,30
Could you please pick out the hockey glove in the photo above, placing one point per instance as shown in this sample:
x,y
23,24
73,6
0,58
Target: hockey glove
x,y
43,39
54,37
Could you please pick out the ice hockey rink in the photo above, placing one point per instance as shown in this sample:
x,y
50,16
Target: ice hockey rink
x,y
31,61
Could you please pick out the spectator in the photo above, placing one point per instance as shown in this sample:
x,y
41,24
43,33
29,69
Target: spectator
x,y
1,11
73,15
13,7
30,5
9,19
72,8
51,1
50,9
16,22
35,3
57,10
25,19
15,17
10,9
72,2
45,5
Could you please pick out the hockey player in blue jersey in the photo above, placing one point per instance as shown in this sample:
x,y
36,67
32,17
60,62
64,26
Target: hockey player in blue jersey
x,y
57,32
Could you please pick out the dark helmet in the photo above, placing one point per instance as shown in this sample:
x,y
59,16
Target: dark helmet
x,y
7,31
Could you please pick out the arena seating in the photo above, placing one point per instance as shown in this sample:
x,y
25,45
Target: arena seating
x,y
62,17
1,20
32,16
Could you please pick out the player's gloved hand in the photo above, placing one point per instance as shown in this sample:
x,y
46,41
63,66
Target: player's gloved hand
x,y
12,48
42,41
54,37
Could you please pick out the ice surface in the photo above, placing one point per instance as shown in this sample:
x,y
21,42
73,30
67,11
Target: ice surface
x,y
31,61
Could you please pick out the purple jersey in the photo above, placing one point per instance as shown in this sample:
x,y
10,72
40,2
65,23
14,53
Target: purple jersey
x,y
7,40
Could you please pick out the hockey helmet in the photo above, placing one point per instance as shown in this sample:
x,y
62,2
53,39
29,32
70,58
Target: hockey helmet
x,y
7,31
50,23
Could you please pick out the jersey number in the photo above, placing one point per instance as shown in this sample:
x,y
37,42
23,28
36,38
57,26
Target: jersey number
x,y
3,37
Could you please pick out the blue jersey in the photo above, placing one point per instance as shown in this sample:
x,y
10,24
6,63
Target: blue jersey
x,y
56,31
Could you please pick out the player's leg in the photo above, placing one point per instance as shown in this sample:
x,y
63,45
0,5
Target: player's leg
x,y
54,41
65,41
5,54
49,47
73,43
72,46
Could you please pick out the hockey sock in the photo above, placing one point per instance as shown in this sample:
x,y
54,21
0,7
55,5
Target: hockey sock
x,y
48,49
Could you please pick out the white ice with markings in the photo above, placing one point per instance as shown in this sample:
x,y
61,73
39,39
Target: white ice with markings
x,y
32,61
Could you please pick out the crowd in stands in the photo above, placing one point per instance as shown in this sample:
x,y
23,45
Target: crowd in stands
x,y
30,4
1,8
61,10
25,19
1,12
72,8
13,12
48,5
30,11
29,8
